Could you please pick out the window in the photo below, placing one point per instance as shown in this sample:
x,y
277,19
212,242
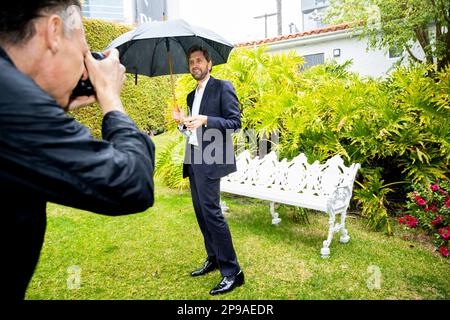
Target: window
x,y
313,60
314,19
321,2
395,52
103,9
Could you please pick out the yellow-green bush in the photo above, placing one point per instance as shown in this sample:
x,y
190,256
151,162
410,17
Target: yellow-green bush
x,y
145,102
397,128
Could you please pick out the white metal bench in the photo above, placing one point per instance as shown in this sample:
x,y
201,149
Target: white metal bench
x,y
324,187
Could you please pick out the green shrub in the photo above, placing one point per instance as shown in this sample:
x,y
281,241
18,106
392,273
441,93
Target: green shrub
x,y
169,165
397,128
428,208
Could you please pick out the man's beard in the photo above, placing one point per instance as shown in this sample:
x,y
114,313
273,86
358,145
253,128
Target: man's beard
x,y
200,76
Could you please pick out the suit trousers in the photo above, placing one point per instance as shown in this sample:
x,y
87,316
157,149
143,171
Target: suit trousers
x,y
216,232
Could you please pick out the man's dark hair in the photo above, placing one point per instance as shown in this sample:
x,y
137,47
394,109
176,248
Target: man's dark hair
x,y
16,17
196,48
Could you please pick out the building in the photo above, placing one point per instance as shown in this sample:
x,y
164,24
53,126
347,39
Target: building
x,y
111,10
319,43
312,13
339,43
130,11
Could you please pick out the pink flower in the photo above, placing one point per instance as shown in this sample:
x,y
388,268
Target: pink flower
x,y
401,220
444,251
412,222
421,202
434,187
444,232
437,220
426,209
443,191
447,203
417,198
433,208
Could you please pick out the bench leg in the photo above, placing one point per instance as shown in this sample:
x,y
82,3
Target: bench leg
x,y
223,206
275,219
344,236
325,251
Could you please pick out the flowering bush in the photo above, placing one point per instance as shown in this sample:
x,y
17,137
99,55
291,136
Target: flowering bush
x,y
429,209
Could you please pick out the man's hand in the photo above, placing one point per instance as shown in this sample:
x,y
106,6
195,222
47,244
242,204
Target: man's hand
x,y
177,115
194,122
79,102
107,76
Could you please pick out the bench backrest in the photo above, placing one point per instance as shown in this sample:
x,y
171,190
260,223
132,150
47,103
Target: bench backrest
x,y
296,175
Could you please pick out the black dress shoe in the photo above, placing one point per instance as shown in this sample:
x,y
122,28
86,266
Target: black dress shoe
x,y
229,283
210,265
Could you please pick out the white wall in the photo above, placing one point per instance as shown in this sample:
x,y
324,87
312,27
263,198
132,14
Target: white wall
x,y
374,63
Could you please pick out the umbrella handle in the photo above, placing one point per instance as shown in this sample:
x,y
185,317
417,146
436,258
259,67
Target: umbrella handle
x,y
175,106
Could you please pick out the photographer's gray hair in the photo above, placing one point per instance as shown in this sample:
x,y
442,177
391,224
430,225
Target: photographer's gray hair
x,y
71,18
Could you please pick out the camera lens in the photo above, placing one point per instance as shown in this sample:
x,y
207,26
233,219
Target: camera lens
x,y
98,55
85,87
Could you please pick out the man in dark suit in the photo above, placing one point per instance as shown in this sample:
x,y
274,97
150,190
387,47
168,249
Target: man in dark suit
x,y
214,116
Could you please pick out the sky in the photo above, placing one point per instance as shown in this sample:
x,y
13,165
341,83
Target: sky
x,y
234,19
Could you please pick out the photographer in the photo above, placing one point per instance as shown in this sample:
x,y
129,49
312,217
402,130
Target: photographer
x,y
45,154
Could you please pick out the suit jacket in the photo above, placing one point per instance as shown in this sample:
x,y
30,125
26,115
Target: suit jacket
x,y
215,153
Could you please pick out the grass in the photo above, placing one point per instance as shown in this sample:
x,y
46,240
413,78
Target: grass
x,y
150,255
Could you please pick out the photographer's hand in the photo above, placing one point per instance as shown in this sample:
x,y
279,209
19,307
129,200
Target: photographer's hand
x,y
79,102
107,76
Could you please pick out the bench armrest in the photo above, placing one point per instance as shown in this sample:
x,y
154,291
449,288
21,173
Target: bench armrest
x,y
339,199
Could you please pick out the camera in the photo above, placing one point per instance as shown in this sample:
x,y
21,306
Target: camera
x,y
85,87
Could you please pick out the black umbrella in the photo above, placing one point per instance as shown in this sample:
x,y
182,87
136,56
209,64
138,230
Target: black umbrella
x,y
159,48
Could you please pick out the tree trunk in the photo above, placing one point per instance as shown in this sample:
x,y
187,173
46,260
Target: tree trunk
x,y
444,60
424,41
412,55
442,18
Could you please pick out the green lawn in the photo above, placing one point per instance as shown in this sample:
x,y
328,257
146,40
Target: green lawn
x,y
150,255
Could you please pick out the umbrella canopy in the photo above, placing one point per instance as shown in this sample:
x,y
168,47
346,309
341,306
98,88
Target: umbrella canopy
x,y
159,48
